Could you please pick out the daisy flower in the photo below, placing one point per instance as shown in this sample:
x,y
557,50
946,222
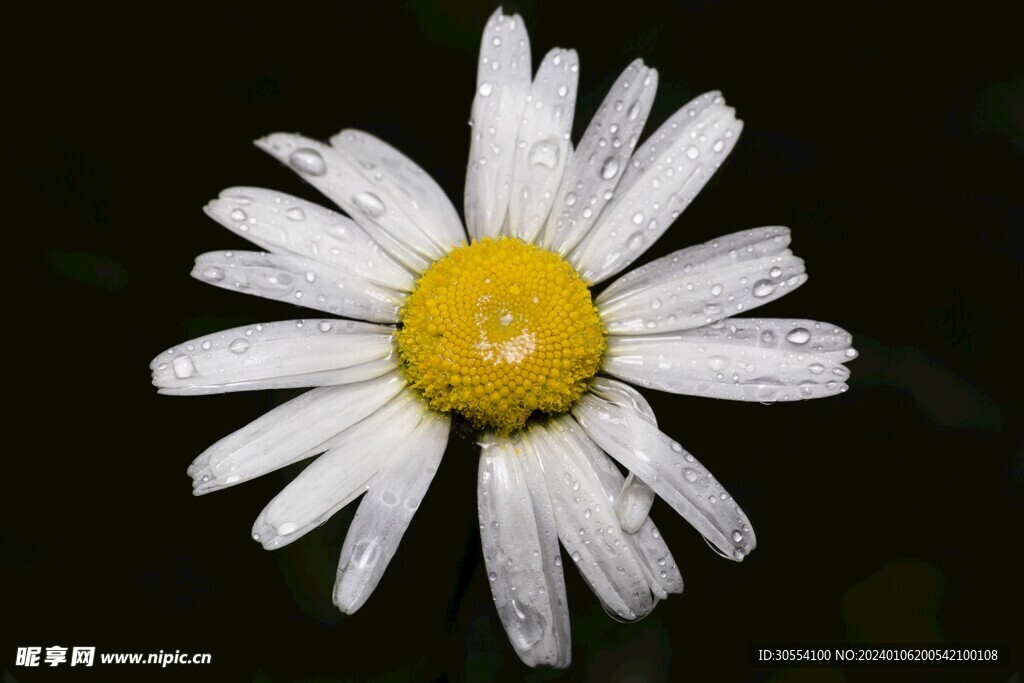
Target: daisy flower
x,y
496,325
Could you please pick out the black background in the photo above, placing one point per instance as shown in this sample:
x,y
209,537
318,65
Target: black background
x,y
889,138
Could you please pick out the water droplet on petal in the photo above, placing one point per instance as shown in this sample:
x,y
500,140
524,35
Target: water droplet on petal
x,y
212,274
281,280
609,168
239,346
369,203
799,335
308,161
544,153
183,367
763,288
712,309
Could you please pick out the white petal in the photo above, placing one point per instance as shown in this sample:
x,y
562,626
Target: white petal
x,y
543,147
659,567
633,504
703,284
625,394
299,281
292,431
283,224
601,158
343,473
520,545
739,359
791,334
385,512
589,529
502,84
354,189
401,182
674,474
664,176
291,353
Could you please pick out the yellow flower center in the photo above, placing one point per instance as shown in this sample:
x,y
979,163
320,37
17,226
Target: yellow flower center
x,y
498,330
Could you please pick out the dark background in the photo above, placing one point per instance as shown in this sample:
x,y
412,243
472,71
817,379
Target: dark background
x,y
888,137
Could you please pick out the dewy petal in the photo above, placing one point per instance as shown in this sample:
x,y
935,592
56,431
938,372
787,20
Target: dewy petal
x,y
292,431
283,224
401,182
753,359
544,144
674,474
520,545
600,159
299,281
664,176
287,354
660,568
589,529
502,85
633,504
385,512
343,473
700,285
624,393
354,188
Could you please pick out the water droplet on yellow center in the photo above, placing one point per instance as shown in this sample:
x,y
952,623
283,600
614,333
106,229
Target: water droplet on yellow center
x,y
500,329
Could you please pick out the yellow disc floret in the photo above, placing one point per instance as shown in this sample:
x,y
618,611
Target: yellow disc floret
x,y
498,330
